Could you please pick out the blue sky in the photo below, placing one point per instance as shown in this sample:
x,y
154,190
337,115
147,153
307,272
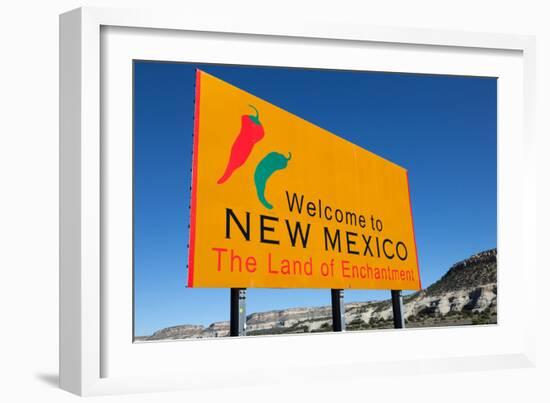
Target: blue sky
x,y
441,128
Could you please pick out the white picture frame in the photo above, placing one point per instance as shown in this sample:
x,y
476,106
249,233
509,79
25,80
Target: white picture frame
x,y
96,355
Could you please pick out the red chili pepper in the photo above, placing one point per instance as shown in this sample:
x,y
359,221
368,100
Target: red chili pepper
x,y
251,132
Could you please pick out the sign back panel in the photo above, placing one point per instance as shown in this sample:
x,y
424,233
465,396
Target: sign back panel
x,y
278,202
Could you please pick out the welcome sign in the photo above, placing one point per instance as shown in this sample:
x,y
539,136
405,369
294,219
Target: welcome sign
x,y
278,202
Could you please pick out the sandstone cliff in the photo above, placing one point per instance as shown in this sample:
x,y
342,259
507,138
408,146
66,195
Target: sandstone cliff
x,y
466,294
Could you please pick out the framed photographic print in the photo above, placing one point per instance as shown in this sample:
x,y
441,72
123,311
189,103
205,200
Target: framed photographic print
x,y
309,196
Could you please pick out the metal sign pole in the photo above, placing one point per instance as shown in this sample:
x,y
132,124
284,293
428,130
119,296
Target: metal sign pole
x,y
338,310
397,305
237,323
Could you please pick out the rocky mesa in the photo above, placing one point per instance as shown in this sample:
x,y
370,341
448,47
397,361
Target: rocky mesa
x,y
465,295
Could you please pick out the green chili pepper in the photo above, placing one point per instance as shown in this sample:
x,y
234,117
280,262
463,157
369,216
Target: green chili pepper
x,y
266,167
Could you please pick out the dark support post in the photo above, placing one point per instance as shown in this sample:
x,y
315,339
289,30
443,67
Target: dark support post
x,y
397,305
338,310
237,323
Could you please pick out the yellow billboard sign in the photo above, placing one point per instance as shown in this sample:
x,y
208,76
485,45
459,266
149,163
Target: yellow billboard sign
x,y
278,202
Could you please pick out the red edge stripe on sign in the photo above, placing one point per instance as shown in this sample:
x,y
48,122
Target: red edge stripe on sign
x,y
414,236
193,218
